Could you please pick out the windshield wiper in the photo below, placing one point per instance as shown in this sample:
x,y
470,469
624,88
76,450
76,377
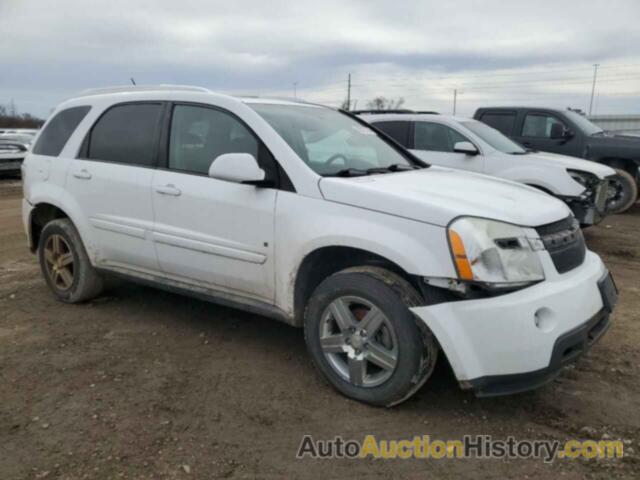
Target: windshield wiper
x,y
348,172
395,167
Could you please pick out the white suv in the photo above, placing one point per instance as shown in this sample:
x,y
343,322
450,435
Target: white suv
x,y
471,145
307,215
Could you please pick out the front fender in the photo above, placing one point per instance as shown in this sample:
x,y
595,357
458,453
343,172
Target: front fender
x,y
555,180
306,224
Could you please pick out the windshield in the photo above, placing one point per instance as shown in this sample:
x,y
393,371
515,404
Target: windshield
x,y
583,123
494,138
331,142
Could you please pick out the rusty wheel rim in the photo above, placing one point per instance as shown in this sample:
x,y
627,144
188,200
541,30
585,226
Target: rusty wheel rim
x,y
58,260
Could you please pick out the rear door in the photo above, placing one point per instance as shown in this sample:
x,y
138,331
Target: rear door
x,y
434,143
111,181
209,232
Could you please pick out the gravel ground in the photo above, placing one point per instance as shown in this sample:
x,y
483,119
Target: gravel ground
x,y
144,384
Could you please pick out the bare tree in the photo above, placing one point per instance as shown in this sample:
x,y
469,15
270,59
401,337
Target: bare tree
x,y
11,118
384,103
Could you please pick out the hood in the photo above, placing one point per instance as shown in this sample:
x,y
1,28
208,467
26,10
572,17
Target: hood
x,y
553,159
438,195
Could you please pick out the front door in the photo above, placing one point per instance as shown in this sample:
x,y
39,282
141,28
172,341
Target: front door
x,y
209,232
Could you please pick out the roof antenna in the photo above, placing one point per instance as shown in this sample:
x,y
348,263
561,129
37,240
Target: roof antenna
x,y
133,81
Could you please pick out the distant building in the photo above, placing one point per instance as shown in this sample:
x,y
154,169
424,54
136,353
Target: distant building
x,y
629,124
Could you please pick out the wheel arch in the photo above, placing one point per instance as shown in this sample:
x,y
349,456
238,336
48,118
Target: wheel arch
x,y
324,261
41,214
629,165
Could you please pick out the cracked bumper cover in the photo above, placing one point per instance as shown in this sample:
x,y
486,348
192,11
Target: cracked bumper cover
x,y
520,340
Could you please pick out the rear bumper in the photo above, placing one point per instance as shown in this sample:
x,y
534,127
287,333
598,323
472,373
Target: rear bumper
x,y
513,339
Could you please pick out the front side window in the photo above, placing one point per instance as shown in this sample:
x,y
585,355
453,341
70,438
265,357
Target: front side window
x,y
436,137
539,125
57,132
493,137
330,142
126,134
199,135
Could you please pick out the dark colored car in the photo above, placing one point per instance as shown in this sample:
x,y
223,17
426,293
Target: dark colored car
x,y
569,133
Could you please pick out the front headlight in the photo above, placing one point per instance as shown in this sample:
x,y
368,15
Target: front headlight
x,y
494,253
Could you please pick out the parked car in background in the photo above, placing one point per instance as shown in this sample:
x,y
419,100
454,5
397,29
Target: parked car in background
x,y
13,149
18,131
470,145
308,215
569,133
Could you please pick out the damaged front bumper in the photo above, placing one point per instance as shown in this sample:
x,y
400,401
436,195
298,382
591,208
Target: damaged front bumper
x,y
517,341
590,208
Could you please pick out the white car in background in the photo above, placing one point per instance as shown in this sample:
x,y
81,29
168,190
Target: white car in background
x,y
467,144
13,149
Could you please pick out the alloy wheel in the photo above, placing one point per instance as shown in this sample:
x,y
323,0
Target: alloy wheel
x,y
358,341
58,260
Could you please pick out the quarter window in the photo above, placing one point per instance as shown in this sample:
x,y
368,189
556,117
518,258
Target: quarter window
x,y
126,134
57,132
436,137
539,125
200,135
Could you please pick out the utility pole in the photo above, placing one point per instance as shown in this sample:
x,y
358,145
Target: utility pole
x,y
455,99
295,90
593,87
349,93
133,81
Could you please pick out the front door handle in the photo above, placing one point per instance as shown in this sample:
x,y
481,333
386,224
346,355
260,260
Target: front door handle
x,y
82,174
169,189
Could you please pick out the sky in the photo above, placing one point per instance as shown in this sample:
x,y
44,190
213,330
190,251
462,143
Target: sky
x,y
492,52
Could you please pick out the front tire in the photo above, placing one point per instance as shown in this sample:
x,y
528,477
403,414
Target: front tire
x,y
363,338
623,192
65,264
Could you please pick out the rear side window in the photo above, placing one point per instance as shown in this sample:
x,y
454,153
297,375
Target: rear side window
x,y
399,131
57,132
126,134
501,121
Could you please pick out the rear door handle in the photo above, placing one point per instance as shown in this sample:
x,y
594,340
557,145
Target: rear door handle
x,y
82,174
169,189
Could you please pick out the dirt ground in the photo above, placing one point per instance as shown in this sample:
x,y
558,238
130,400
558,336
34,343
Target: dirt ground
x,y
146,384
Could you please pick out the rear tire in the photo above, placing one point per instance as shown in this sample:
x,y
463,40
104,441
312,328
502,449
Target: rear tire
x,y
626,192
65,264
383,356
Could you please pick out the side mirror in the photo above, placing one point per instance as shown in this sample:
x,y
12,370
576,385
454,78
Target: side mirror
x,y
467,148
238,168
559,132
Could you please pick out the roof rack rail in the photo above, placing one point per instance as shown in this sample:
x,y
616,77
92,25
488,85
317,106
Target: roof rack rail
x,y
141,88
398,110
